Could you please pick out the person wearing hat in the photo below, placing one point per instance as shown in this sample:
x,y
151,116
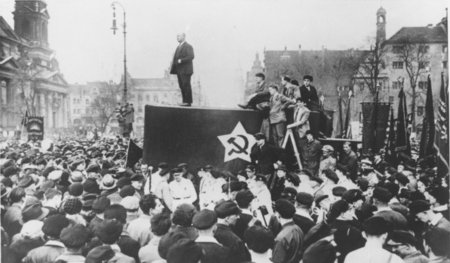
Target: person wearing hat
x,y
137,183
405,245
52,200
276,182
380,198
74,238
131,204
259,241
98,207
375,231
185,251
264,155
330,180
154,179
162,190
29,237
108,233
368,173
12,219
289,241
160,225
262,203
300,118
310,150
348,161
243,199
109,189
327,160
309,93
53,248
72,207
210,185
182,189
139,229
205,222
182,220
260,95
302,216
227,214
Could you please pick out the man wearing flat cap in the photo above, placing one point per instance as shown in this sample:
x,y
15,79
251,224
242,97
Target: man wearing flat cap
x,y
182,189
289,242
309,93
227,213
381,197
74,238
205,223
404,244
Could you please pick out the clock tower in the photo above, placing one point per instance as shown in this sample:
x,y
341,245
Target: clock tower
x,y
31,21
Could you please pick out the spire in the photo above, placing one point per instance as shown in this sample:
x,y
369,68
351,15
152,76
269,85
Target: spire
x,y
381,25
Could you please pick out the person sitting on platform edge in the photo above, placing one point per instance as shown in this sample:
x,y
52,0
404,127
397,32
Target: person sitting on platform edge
x,y
309,93
261,93
182,67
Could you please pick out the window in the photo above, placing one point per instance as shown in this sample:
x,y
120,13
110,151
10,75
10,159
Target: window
x,y
444,48
396,84
155,98
3,92
397,49
444,64
397,64
424,64
391,99
424,49
422,84
420,110
147,97
139,109
139,97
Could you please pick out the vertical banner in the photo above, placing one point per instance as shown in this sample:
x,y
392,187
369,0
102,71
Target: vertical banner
x,y
35,128
374,127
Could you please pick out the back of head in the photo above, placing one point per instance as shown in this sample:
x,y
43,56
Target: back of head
x,y
258,239
184,251
116,212
146,203
160,224
183,215
167,241
375,226
109,231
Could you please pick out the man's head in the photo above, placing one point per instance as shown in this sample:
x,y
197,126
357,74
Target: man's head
x,y
260,139
227,212
307,79
281,171
284,209
250,171
309,136
421,210
347,147
150,205
259,77
273,89
181,37
160,224
300,102
258,239
204,220
376,227
285,80
177,174
402,243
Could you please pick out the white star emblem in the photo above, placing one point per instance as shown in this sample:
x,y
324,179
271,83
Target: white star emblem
x,y
238,144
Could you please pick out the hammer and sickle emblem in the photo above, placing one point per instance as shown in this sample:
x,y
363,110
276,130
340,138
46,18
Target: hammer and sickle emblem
x,y
238,148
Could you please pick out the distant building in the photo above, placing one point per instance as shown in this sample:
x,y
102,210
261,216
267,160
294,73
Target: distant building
x,y
30,79
164,91
80,102
251,80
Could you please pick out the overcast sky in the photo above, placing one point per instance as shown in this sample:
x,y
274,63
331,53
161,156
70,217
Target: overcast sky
x,y
225,34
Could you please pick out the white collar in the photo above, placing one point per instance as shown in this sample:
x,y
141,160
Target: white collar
x,y
386,208
206,239
54,243
115,248
246,211
257,257
436,219
302,212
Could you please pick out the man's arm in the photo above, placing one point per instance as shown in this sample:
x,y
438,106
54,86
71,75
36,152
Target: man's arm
x,y
188,55
279,252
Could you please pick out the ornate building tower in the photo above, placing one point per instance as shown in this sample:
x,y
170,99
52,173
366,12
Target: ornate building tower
x,y
251,84
31,21
381,25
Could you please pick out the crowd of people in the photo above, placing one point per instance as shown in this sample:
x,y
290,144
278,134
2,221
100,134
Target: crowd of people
x,y
74,202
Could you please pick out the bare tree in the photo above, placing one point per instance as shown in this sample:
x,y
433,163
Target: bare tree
x,y
413,53
26,82
103,106
371,66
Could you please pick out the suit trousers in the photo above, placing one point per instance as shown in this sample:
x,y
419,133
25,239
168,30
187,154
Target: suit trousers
x,y
184,82
278,131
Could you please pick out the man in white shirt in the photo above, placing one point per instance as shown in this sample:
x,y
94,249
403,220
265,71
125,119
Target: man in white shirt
x,y
375,231
152,182
182,189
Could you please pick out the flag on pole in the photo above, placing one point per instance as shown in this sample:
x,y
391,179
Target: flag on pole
x,y
402,138
441,138
428,126
391,157
134,153
25,119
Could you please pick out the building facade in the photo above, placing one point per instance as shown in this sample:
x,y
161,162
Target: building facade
x,y
30,78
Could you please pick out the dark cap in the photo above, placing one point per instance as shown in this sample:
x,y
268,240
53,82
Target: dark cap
x,y
304,199
184,251
282,167
418,206
100,204
182,165
25,181
320,198
167,241
260,177
226,208
258,239
376,226
285,208
403,237
100,254
204,219
382,194
76,189
54,224
338,208
109,231
123,181
330,174
127,190
91,186
93,168
72,206
74,236
308,77
353,195
338,191
259,136
34,211
244,198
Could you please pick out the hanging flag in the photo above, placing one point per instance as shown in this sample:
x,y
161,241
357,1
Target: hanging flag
x,y
347,132
402,138
391,156
340,123
133,155
428,126
25,119
441,137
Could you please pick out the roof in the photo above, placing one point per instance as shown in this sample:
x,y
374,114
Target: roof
x,y
434,34
7,32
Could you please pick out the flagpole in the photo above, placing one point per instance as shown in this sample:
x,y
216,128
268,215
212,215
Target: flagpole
x,y
128,149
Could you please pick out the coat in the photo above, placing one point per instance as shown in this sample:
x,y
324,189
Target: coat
x,y
277,104
185,53
225,236
311,155
301,116
310,97
264,157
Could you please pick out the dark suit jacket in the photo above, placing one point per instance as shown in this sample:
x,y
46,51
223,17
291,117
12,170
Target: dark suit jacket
x,y
266,157
227,238
310,97
185,53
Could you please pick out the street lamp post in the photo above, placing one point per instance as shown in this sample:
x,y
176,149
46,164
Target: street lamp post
x,y
124,29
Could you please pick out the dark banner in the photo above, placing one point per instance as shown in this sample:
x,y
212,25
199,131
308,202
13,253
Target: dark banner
x,y
35,128
199,136
134,153
375,122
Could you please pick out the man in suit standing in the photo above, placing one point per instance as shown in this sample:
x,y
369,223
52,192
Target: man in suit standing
x,y
183,68
309,93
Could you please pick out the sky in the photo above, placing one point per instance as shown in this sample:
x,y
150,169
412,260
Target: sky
x,y
225,34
